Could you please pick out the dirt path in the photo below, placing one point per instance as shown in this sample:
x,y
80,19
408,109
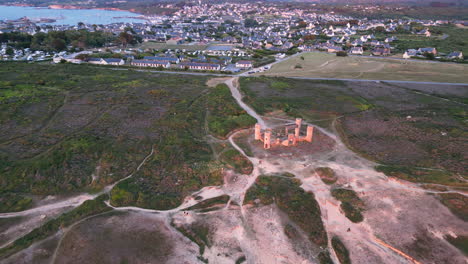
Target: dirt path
x,y
233,84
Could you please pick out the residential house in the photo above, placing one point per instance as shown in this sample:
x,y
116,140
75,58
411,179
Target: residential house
x,y
356,50
200,66
381,52
374,42
94,60
112,61
428,50
455,55
151,63
244,64
410,53
424,32
160,58
334,49
175,41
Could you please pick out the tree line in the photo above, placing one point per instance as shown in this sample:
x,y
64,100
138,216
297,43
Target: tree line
x,y
67,39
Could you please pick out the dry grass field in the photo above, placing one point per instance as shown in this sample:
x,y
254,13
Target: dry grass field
x,y
322,65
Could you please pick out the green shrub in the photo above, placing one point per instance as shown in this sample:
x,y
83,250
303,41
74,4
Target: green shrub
x,y
11,202
351,204
340,250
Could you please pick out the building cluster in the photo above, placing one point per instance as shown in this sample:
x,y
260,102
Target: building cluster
x,y
167,60
239,30
284,138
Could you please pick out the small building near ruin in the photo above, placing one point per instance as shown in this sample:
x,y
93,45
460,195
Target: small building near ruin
x,y
284,138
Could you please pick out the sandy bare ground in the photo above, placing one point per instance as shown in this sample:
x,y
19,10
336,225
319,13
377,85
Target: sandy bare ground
x,y
215,81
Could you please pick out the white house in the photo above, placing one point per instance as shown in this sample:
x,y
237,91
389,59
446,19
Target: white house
x,y
244,64
356,50
455,55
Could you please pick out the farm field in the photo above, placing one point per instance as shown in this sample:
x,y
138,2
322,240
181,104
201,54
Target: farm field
x,y
322,65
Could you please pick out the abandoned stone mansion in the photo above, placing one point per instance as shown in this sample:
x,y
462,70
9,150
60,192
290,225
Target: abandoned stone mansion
x,y
284,138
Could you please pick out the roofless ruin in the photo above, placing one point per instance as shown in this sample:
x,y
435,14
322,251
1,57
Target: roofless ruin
x,y
286,138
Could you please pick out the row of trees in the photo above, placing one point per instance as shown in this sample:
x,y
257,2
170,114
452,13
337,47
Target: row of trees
x,y
61,40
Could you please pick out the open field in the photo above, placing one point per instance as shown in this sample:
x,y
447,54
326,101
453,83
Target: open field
x,y
323,65
405,125
161,46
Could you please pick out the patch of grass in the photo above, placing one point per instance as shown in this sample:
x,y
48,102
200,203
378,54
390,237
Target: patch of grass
x,y
279,85
351,204
421,175
301,98
340,250
460,242
236,161
88,208
324,257
327,175
224,113
300,206
11,202
241,260
210,203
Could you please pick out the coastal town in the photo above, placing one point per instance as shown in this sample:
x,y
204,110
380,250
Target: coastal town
x,y
232,37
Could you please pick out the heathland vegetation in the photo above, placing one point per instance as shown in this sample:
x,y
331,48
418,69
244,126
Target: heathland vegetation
x,y
422,130
74,128
351,204
182,162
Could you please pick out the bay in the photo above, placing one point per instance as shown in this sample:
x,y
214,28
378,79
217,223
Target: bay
x,y
69,16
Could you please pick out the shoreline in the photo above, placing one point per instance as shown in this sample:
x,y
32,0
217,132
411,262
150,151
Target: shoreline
x,y
72,7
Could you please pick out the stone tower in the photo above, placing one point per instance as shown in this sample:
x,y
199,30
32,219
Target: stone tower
x,y
298,122
258,133
297,130
267,139
310,133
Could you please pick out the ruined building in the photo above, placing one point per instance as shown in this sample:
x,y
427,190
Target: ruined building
x,y
284,138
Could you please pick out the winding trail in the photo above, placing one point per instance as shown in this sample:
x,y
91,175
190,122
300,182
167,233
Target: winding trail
x,y
233,84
